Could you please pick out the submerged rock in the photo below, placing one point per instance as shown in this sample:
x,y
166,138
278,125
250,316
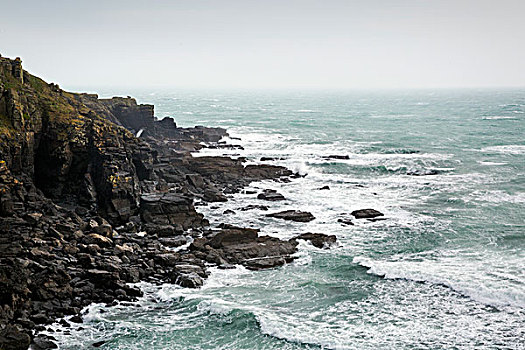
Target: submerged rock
x,y
252,207
336,156
293,215
345,221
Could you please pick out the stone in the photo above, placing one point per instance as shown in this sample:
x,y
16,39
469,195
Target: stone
x,y
336,156
270,195
14,339
94,238
366,213
252,207
293,215
190,280
345,221
318,240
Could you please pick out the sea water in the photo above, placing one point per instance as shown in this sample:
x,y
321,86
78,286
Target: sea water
x,y
446,269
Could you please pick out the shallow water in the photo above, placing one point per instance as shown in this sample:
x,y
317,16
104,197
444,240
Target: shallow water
x,y
445,270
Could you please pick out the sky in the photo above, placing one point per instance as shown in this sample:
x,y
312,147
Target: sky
x,y
325,44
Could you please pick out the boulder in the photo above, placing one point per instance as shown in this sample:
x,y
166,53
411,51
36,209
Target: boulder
x,y
271,195
293,215
366,213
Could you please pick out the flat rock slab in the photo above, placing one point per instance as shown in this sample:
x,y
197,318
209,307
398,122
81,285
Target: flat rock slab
x,y
271,195
366,213
293,215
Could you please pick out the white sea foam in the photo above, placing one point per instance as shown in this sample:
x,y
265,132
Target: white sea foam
x,y
505,149
468,280
498,197
499,117
491,163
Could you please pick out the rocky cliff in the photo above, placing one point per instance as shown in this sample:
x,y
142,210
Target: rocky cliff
x,y
86,206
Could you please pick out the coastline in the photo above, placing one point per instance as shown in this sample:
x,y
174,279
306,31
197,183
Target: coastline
x,y
88,207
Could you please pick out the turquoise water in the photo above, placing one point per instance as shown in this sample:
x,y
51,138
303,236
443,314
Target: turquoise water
x,y
445,270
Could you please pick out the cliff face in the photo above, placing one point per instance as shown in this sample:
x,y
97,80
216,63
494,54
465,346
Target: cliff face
x,y
86,206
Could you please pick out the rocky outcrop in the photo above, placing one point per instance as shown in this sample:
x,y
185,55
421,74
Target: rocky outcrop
x,y
86,206
236,245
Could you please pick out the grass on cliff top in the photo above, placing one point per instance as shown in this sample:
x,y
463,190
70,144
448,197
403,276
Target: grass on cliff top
x,y
64,110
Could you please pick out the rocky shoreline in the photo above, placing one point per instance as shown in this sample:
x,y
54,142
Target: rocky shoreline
x,y
87,207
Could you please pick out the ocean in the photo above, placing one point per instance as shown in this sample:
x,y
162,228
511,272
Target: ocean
x,y
445,270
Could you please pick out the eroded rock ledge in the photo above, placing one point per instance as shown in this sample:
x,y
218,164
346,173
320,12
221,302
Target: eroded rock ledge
x,y
86,206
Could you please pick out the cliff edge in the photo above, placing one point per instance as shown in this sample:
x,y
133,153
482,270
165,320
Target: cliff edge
x,y
87,207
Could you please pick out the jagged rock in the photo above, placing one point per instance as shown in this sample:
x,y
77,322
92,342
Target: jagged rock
x,y
72,168
33,218
189,280
13,339
366,213
318,240
94,238
170,209
173,241
236,245
293,215
325,188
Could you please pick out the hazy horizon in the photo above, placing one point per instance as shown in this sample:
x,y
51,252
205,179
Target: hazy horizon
x,y
234,44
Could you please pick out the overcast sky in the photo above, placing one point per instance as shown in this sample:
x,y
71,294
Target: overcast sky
x,y
268,43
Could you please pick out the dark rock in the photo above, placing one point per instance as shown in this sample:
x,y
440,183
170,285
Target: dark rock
x,y
98,344
14,339
43,342
376,219
271,195
74,167
325,188
228,212
318,240
189,280
293,215
173,241
366,213
252,207
236,245
335,156
76,319
345,221
424,172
